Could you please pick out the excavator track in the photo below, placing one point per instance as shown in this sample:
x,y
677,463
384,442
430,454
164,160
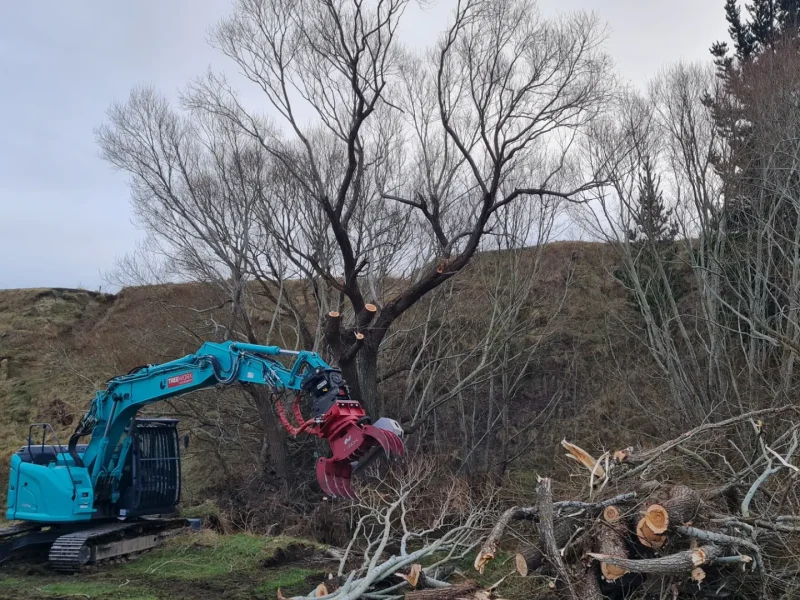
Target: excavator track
x,y
75,550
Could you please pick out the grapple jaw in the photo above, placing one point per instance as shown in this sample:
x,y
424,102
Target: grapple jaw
x,y
343,422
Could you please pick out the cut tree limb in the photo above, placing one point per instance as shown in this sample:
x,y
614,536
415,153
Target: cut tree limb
x,y
610,539
579,583
672,564
461,590
366,315
489,549
544,500
721,538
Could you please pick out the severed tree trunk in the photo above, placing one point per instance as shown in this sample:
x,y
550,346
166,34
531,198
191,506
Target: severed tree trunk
x,y
679,507
528,560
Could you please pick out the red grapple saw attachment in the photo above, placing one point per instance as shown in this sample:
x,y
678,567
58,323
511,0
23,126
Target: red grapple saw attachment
x,y
343,422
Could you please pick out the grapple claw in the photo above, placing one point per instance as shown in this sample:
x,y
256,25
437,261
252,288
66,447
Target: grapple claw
x,y
335,478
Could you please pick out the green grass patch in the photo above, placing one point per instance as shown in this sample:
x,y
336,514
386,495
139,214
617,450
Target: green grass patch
x,y
290,581
208,555
46,587
84,589
202,556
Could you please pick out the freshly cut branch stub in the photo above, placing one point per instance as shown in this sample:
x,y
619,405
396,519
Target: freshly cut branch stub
x,y
413,576
485,556
611,514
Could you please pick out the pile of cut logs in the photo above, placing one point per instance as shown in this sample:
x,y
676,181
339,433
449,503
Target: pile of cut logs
x,y
660,539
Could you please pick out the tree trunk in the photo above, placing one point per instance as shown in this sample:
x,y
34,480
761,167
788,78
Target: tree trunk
x,y
276,464
367,361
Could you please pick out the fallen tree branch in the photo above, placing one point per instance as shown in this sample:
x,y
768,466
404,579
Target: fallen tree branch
x,y
544,500
460,590
645,459
721,538
489,549
672,564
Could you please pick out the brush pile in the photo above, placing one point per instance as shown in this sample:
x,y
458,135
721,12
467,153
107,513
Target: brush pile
x,y
712,513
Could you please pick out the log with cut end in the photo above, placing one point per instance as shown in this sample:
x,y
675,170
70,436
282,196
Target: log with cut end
x,y
530,559
680,562
461,590
647,537
611,514
677,508
610,540
656,518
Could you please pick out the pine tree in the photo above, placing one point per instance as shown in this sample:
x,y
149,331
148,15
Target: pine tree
x,y
739,32
789,15
653,220
763,22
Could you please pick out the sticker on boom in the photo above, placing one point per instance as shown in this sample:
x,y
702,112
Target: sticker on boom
x,y
179,380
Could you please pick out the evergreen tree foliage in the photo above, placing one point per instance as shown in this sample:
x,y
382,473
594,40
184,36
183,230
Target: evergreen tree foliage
x,y
739,32
652,218
763,22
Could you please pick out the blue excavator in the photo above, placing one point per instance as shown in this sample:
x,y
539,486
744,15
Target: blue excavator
x,y
114,494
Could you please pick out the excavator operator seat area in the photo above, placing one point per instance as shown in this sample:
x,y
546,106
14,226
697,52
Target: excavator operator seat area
x,y
44,454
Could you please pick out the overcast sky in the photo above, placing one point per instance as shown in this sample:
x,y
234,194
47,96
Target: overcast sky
x,y
64,214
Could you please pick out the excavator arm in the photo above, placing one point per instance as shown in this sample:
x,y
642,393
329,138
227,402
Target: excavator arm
x,y
337,417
